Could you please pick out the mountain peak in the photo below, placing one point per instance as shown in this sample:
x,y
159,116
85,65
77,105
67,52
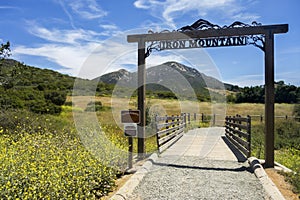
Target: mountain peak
x,y
123,71
114,77
157,74
177,66
183,68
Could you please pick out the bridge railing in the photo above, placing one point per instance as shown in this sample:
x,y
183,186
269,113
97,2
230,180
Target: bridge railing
x,y
286,117
213,119
238,131
169,129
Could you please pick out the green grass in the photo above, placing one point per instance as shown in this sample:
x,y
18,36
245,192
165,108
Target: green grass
x,y
46,156
287,147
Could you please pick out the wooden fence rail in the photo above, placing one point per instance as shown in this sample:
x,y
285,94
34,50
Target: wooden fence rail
x,y
212,118
169,129
286,117
238,131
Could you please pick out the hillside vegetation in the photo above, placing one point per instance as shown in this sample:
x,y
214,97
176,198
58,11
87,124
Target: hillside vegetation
x,y
40,91
41,152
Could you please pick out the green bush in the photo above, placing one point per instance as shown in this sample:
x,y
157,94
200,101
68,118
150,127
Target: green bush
x,y
33,100
69,103
56,97
287,134
287,145
257,140
94,106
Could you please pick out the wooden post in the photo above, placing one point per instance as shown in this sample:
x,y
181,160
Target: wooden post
x,y
184,119
141,98
214,119
130,150
249,133
269,99
173,121
157,129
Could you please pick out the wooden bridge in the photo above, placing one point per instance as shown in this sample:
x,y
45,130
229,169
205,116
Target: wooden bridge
x,y
203,163
236,134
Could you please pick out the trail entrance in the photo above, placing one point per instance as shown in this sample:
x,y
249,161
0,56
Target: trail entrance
x,y
203,34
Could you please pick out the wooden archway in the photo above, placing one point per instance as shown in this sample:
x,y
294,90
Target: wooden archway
x,y
203,34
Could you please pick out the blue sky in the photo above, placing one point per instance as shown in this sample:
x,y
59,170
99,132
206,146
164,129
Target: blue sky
x,y
63,34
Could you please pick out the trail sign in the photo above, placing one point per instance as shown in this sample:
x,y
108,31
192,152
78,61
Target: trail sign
x,y
130,116
130,130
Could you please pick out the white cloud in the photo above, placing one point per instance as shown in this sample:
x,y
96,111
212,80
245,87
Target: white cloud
x,y
290,77
147,4
82,53
70,57
88,9
74,36
247,80
245,17
109,26
8,7
169,10
67,48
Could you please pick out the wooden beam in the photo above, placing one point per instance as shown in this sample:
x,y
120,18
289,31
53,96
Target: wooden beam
x,y
269,99
141,98
251,30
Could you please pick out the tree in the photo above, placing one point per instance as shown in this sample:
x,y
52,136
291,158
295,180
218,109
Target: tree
x,y
56,97
5,50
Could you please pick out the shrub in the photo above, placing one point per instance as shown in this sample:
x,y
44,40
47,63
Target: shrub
x,y
56,97
287,134
94,106
69,103
287,140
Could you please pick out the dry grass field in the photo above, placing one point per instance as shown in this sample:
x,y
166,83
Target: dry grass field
x,y
175,107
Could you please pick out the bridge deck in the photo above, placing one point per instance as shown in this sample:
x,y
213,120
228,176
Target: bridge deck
x,y
209,143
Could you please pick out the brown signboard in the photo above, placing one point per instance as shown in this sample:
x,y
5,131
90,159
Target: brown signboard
x,y
130,116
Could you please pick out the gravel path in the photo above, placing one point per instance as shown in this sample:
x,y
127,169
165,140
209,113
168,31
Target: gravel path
x,y
183,177
201,165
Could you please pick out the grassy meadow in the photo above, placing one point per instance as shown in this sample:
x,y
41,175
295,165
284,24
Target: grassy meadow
x,y
80,153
